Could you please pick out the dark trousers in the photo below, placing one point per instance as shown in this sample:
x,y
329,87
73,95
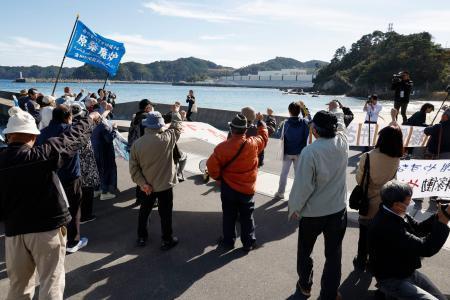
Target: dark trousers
x,y
402,106
333,228
139,195
362,244
234,204
87,202
74,195
188,115
165,205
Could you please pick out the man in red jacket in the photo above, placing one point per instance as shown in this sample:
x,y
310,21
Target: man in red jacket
x,y
235,163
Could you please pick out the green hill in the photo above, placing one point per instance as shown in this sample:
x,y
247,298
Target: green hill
x,y
367,67
183,69
279,63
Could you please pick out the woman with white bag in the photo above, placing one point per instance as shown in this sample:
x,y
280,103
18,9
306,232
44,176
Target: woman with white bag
x,y
293,134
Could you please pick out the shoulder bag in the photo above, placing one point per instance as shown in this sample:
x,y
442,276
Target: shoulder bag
x,y
358,198
231,160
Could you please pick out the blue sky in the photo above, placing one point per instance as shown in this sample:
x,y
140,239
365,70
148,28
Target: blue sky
x,y
232,33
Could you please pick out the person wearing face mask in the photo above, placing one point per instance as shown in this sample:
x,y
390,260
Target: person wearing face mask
x,y
397,243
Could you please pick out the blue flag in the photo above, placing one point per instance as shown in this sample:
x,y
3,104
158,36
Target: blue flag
x,y
91,48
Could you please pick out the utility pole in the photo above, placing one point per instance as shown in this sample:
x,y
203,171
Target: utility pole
x,y
390,27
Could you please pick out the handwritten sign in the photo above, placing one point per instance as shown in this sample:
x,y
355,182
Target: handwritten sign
x,y
204,132
427,177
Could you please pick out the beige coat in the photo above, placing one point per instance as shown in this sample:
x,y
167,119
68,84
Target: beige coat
x,y
382,169
151,157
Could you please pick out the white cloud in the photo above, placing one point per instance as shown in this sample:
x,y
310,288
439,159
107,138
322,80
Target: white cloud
x,y
190,11
216,37
23,51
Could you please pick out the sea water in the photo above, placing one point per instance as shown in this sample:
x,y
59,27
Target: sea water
x,y
227,98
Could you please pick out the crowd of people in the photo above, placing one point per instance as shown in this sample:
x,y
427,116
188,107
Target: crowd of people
x,y
64,149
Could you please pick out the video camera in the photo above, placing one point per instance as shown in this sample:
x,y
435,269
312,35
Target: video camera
x,y
396,78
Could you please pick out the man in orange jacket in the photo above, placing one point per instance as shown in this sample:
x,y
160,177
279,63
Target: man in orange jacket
x,y
235,163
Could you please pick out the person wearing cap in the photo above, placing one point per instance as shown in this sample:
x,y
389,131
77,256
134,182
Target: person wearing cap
x,y
402,86
137,130
102,139
34,206
28,104
318,199
234,163
293,133
152,168
47,106
439,144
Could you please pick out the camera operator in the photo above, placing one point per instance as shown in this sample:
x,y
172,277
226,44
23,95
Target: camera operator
x,y
397,243
402,85
372,108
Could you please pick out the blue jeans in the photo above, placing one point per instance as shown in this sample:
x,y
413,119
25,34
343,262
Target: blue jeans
x,y
236,204
416,287
333,228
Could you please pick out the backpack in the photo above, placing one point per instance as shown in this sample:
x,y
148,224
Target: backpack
x,y
134,132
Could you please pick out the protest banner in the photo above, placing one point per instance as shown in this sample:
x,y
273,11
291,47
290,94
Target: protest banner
x,y
358,135
427,177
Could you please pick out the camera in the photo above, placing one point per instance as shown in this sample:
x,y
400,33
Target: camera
x,y
397,77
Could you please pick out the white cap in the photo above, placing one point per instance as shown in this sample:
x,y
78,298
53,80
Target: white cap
x,y
48,99
20,122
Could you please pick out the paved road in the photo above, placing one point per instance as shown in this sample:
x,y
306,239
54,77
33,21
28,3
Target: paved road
x,y
112,267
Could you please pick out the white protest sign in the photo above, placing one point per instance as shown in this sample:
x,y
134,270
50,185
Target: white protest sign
x,y
427,177
204,132
358,135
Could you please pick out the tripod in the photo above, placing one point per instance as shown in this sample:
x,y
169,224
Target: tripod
x,y
443,102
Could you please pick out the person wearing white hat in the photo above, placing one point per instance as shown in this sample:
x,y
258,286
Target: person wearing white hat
x,y
47,106
34,206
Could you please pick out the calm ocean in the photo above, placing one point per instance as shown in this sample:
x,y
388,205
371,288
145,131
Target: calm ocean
x,y
228,98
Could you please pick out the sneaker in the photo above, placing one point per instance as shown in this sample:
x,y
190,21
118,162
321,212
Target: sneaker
x,y
81,244
107,196
97,193
167,245
141,242
88,219
304,292
279,195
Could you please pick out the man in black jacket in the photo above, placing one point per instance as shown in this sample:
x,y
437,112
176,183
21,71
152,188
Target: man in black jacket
x,y
439,144
397,243
33,205
402,86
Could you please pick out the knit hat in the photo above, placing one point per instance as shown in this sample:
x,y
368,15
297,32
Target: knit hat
x,y
249,113
20,122
447,112
326,120
239,121
48,100
154,120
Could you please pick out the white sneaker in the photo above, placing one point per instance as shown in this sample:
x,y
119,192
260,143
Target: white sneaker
x,y
107,196
97,193
81,244
279,195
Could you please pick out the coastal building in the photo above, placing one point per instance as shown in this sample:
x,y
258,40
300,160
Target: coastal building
x,y
284,78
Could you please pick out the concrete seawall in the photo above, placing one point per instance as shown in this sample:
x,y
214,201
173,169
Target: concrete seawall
x,y
124,111
216,117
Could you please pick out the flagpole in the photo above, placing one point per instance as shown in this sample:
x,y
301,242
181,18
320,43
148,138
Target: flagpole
x,y
104,84
64,57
